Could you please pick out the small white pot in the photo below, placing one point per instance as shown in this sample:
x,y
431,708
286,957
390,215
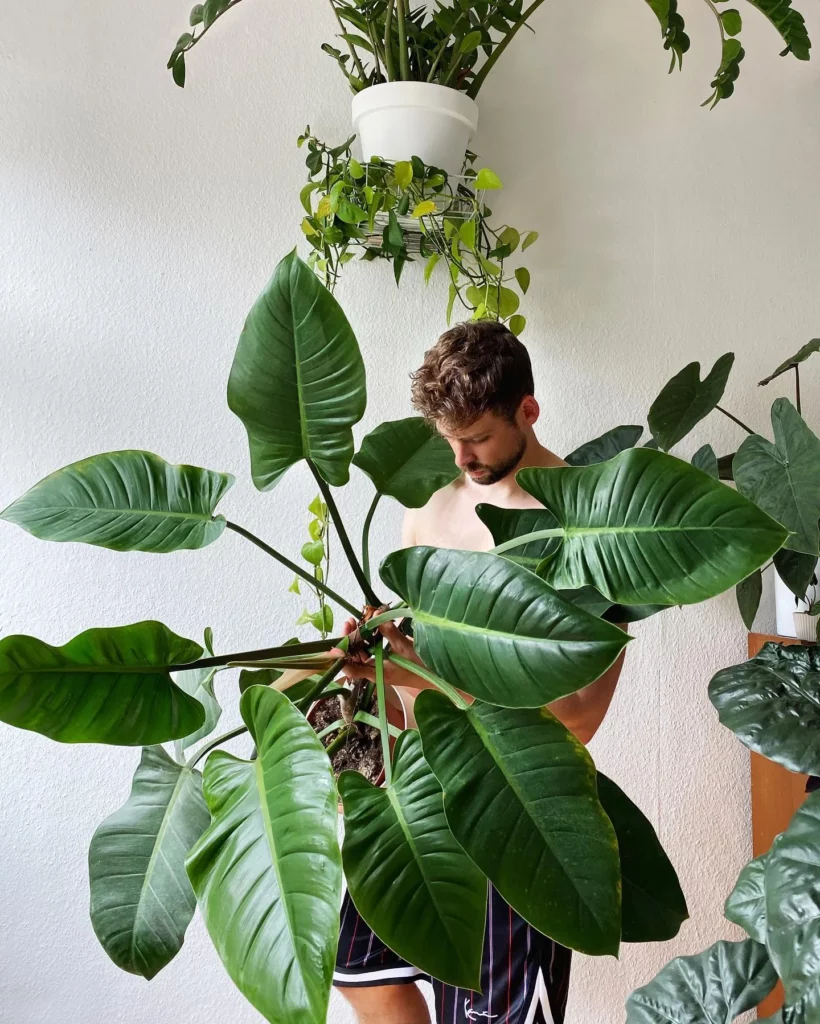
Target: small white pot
x,y
805,626
790,611
399,120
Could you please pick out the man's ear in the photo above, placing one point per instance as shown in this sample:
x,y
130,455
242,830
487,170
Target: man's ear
x,y
528,411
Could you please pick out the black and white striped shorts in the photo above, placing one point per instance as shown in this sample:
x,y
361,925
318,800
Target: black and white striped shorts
x,y
524,975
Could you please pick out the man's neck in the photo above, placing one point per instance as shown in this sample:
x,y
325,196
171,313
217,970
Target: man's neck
x,y
535,455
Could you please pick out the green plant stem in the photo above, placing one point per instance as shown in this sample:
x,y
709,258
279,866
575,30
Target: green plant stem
x,y
797,388
388,42
254,657
340,741
382,699
526,538
443,48
225,10
320,686
366,536
424,673
344,540
328,729
399,611
489,64
401,24
215,743
294,568
734,419
350,47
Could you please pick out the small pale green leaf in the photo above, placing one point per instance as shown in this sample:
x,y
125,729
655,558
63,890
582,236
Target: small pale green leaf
x,y
313,552
522,276
424,208
467,233
517,324
403,173
430,266
487,179
732,22
529,238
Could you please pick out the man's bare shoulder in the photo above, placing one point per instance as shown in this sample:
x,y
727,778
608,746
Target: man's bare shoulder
x,y
418,521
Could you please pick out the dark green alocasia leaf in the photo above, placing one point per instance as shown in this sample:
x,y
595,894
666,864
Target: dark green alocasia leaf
x,y
607,446
297,380
686,399
772,704
706,460
408,877
749,593
126,501
799,357
104,686
653,904
792,885
712,987
267,872
506,523
141,899
784,478
520,797
789,23
646,528
495,630
199,684
408,460
746,904
796,569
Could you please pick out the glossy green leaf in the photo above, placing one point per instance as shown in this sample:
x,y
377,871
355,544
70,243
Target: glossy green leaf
x,y
313,552
199,684
784,478
408,460
607,446
796,569
267,872
297,380
408,877
141,899
653,904
646,528
732,21
520,797
706,460
686,399
487,179
104,686
799,357
403,173
522,276
712,987
789,23
523,649
792,885
746,904
748,593
529,239
126,501
517,324
772,704
506,523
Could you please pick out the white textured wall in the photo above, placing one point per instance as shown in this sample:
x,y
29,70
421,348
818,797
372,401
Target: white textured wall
x,y
137,224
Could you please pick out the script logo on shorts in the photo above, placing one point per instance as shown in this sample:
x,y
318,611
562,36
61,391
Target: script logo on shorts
x,y
475,1014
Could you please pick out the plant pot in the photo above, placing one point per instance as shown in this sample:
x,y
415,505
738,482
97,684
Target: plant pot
x,y
399,120
805,626
787,608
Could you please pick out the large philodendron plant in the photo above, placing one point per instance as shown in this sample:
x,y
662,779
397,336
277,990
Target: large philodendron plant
x,y
496,788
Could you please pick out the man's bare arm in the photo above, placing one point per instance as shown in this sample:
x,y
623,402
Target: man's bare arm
x,y
583,712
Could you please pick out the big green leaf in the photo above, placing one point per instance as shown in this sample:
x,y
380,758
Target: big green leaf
x,y
408,460
799,357
796,569
496,630
686,399
141,899
104,686
199,684
646,528
654,906
789,23
748,593
706,460
607,446
784,478
506,523
408,877
772,704
792,884
126,501
297,380
712,987
520,797
267,873
746,904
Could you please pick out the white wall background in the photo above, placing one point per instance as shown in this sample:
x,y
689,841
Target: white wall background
x,y
137,224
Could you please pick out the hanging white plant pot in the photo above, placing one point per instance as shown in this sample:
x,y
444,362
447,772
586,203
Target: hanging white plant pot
x,y
399,120
791,613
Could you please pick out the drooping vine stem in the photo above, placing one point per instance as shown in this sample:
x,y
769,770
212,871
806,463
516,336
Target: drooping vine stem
x,y
214,744
297,569
366,536
383,726
424,673
734,419
344,540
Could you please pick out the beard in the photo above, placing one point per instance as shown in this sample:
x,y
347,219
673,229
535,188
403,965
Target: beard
x,y
492,473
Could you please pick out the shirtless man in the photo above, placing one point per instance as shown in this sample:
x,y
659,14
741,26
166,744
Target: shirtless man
x,y
476,386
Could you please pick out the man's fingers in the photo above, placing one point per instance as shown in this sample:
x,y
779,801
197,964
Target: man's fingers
x,y
401,644
358,670
349,626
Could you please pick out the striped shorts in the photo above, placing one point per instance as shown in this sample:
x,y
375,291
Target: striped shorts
x,y
524,975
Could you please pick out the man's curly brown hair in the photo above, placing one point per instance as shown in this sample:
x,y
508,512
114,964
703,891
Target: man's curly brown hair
x,y
473,368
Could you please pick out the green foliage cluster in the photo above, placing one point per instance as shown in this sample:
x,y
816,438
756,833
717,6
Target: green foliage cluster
x,y
316,552
406,210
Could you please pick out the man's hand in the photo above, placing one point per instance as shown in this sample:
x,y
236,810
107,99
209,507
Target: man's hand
x,y
358,666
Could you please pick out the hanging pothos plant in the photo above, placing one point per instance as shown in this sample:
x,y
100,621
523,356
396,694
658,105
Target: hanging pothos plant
x,y
405,211
457,44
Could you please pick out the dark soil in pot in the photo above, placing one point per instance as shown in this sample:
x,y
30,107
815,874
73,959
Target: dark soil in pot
x,y
361,751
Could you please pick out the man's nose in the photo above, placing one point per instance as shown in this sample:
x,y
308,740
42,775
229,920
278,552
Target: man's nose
x,y
464,455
